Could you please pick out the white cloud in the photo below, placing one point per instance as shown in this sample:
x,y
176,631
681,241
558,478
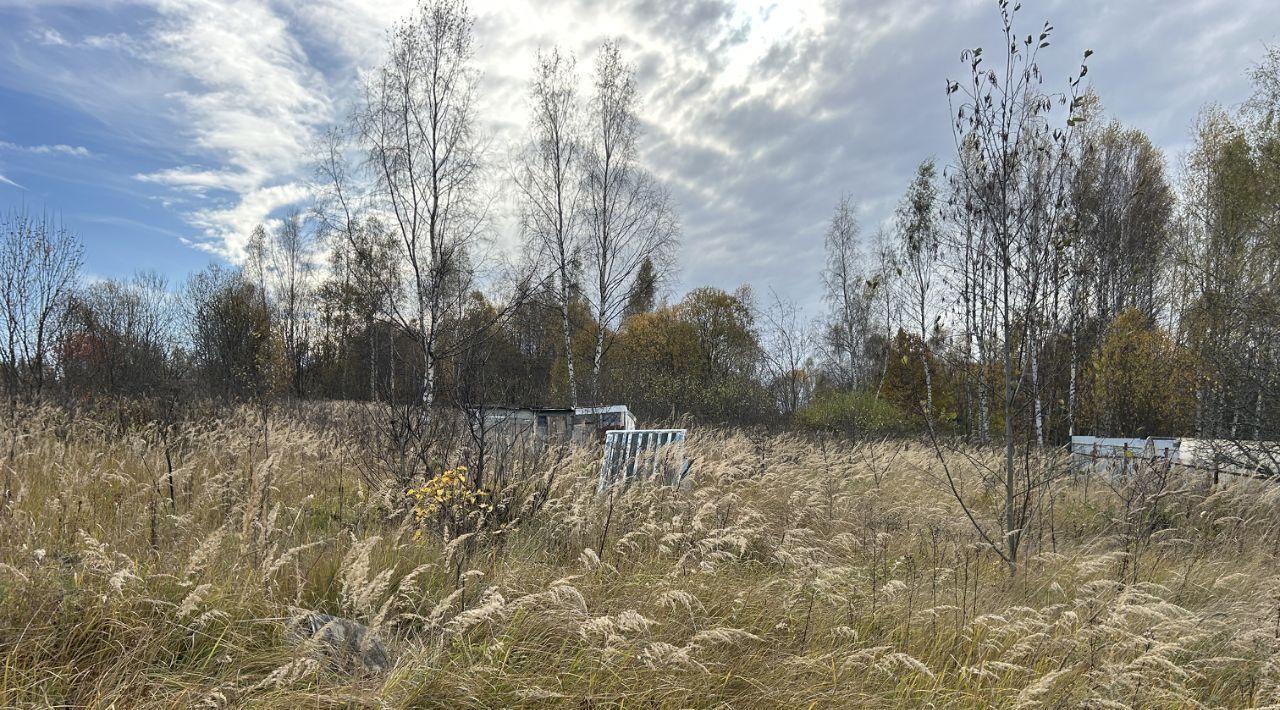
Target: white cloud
x,y
74,151
236,219
114,41
6,181
50,38
198,180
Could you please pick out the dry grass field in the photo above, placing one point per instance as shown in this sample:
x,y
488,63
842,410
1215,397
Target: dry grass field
x,y
788,573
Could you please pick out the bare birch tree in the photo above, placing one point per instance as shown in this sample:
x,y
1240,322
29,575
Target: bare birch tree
x,y
281,263
417,126
883,299
551,186
918,227
844,280
786,353
629,215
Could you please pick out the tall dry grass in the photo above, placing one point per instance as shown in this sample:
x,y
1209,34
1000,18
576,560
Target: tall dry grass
x,y
786,573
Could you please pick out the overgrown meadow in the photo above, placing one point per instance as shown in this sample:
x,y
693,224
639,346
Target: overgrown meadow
x,y
159,569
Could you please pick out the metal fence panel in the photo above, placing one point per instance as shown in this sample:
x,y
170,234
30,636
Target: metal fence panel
x,y
629,453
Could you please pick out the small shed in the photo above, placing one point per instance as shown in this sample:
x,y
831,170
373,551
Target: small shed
x,y
595,421
557,424
511,421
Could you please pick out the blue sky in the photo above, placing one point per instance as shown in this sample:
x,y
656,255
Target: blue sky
x,y
163,130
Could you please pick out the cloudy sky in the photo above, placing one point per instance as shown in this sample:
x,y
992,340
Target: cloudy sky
x,y
164,130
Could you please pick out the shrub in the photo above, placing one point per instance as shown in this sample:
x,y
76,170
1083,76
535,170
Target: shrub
x,y
855,413
446,501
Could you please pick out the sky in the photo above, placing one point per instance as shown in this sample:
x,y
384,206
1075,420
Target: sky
x,y
162,131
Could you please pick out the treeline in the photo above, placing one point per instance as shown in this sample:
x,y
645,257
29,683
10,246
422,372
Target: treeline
x,y
1056,277
264,331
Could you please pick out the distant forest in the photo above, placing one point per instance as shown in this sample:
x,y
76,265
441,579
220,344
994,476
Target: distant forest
x,y
1054,275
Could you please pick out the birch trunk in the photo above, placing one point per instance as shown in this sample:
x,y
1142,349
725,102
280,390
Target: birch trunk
x,y
1071,386
596,363
1033,355
568,336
